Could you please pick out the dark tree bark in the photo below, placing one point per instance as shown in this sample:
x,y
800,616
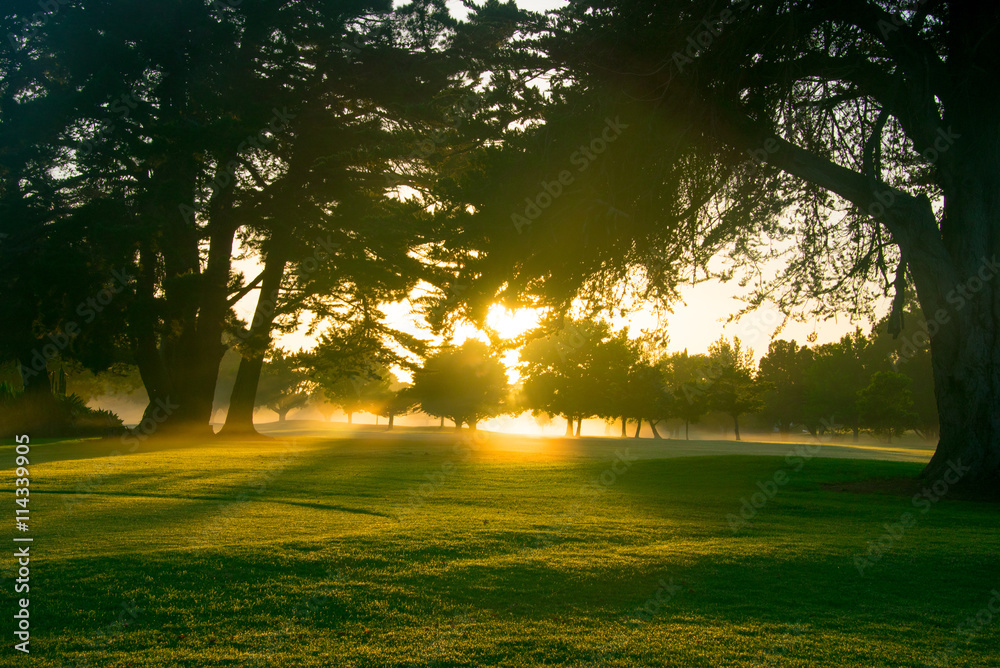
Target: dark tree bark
x,y
579,425
736,426
652,425
239,419
638,428
624,434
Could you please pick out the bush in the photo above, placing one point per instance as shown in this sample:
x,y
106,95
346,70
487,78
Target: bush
x,y
48,416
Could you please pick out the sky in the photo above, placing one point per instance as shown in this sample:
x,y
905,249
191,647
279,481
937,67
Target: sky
x,y
697,321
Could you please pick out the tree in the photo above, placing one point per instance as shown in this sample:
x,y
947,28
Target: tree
x,y
396,401
465,384
885,405
838,372
910,355
784,369
319,401
733,388
685,377
284,386
863,137
574,371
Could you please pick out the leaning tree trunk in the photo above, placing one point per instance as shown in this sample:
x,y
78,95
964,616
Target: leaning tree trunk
x,y
652,425
638,428
239,419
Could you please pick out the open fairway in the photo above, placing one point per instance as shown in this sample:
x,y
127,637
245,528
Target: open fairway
x,y
461,550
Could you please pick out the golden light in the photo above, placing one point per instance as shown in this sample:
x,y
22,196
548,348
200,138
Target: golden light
x,y
509,324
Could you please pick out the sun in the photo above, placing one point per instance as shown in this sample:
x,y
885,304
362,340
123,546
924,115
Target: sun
x,y
509,324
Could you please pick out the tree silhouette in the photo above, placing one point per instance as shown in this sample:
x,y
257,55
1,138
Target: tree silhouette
x,y
284,386
885,405
465,384
733,389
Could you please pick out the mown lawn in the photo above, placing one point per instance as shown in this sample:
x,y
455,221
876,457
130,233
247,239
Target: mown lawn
x,y
451,552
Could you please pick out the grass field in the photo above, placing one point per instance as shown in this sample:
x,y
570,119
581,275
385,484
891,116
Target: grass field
x,y
471,551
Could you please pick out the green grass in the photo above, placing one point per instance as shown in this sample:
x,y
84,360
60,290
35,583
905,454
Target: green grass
x,y
508,562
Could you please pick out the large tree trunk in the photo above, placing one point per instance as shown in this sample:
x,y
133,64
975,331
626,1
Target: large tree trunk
x,y
282,413
239,419
652,425
624,434
179,357
579,425
736,426
956,273
391,420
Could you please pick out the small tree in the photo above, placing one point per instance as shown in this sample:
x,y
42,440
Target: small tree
x,y
283,385
886,404
465,384
733,390
397,402
687,387
784,369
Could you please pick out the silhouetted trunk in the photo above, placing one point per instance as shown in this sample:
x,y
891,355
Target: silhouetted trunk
x,y
652,425
239,418
391,420
736,426
638,428
624,434
282,413
579,425
569,425
179,359
472,424
441,426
